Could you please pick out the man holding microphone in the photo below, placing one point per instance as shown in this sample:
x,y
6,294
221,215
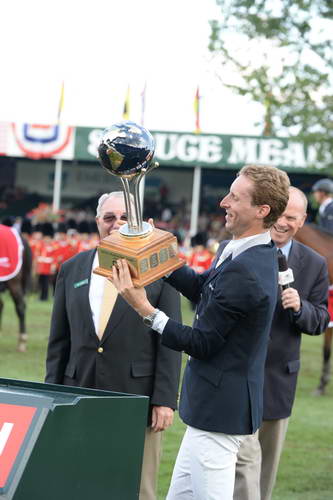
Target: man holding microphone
x,y
301,308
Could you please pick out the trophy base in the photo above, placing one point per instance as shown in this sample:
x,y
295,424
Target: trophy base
x,y
149,257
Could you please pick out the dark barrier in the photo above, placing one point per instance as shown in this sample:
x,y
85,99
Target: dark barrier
x,y
69,443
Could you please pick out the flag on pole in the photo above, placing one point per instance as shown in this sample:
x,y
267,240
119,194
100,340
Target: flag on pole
x,y
143,103
61,101
58,163
197,111
126,111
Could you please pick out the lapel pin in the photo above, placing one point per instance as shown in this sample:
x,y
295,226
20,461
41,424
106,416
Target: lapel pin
x,y
81,283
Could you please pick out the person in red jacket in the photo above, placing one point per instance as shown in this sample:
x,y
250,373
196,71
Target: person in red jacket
x,y
200,258
84,242
64,248
35,242
45,261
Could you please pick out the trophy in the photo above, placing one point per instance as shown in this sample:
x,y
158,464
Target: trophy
x,y
126,150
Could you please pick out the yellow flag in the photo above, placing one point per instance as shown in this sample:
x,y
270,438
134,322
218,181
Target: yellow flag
x,y
61,101
126,111
197,111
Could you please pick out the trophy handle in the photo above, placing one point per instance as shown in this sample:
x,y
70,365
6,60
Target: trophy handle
x,y
151,167
137,201
126,188
135,219
137,180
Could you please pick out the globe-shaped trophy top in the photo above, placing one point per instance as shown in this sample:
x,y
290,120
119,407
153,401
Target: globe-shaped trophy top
x,y
126,149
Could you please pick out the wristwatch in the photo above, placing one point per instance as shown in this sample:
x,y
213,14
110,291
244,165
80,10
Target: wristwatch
x,y
149,320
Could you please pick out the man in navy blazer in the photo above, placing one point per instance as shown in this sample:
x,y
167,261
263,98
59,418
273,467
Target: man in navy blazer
x,y
323,194
221,399
301,308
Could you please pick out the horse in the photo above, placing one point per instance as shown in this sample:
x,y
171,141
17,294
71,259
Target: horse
x,y
321,241
18,286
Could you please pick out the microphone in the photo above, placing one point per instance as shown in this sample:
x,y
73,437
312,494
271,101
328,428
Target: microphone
x,y
286,276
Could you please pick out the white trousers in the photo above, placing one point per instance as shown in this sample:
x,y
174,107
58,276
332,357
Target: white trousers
x,y
205,466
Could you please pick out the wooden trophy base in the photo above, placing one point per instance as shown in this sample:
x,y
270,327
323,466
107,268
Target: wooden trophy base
x,y
149,257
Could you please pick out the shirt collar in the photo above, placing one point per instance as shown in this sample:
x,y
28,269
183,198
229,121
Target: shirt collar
x,y
236,247
286,249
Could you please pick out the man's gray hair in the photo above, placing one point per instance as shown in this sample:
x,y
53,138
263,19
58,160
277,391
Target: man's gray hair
x,y
114,194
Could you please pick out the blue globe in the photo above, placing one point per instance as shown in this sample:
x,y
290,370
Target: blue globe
x,y
126,149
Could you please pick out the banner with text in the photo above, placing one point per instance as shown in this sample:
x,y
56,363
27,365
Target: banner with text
x,y
174,149
212,150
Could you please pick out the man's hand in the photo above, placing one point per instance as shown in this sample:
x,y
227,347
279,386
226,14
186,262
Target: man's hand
x,y
136,297
291,299
162,418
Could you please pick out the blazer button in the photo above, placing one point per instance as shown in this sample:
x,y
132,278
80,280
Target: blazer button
x,y
197,316
100,349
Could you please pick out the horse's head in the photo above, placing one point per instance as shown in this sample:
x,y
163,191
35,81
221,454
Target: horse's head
x,y
319,240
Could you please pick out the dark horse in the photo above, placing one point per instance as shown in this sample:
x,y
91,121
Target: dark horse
x,y
322,242
17,287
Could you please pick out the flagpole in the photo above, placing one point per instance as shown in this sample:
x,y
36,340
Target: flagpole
x,y
195,200
58,164
57,185
196,188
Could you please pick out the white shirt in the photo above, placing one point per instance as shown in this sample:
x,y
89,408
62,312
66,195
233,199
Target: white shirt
x,y
235,247
96,291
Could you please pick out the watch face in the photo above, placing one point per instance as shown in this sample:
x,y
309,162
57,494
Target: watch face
x,y
148,321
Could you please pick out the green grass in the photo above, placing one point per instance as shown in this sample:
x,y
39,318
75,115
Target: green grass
x,y
306,468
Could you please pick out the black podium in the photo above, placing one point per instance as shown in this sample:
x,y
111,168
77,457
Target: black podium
x,y
68,443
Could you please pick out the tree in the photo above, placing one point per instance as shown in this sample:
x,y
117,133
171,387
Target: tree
x,y
279,53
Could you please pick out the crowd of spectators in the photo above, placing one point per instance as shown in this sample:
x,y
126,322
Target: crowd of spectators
x,y
54,238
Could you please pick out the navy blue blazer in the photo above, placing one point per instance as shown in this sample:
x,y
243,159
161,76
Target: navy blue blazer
x,y
222,387
326,219
283,356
